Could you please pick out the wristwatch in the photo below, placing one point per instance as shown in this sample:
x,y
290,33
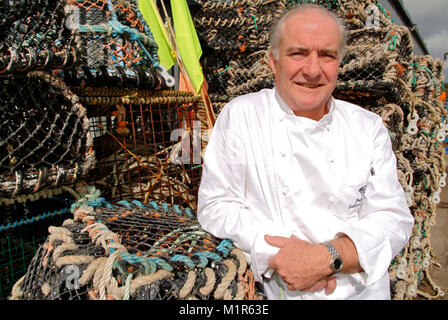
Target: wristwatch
x,y
335,260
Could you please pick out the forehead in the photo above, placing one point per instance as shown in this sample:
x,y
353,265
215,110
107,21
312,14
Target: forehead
x,y
311,28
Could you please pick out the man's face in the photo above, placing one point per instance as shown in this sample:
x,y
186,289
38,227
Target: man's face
x,y
306,70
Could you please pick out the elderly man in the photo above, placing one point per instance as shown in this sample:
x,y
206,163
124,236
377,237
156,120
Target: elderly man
x,y
304,184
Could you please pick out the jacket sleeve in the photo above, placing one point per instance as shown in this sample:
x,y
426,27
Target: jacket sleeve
x,y
384,222
222,208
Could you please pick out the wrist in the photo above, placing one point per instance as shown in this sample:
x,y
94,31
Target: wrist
x,y
335,261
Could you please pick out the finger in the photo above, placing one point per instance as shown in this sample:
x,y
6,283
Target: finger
x,y
276,241
318,286
331,285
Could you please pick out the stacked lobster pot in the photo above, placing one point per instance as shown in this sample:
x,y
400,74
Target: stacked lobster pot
x,y
83,89
44,139
378,72
422,172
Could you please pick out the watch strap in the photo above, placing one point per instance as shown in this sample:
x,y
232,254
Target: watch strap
x,y
336,260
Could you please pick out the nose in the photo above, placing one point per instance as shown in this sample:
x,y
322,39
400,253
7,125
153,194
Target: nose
x,y
312,68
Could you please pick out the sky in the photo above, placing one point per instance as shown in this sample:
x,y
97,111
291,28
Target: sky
x,y
431,17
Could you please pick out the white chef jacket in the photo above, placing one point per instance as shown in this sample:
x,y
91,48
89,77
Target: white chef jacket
x,y
267,171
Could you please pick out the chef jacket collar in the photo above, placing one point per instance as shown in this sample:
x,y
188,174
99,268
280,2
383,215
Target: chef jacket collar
x,y
326,119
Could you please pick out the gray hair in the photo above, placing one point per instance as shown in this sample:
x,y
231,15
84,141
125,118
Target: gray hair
x,y
276,29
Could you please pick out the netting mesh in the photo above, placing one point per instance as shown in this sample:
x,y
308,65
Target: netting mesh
x,y
44,132
33,36
23,228
132,251
148,144
92,43
378,72
114,46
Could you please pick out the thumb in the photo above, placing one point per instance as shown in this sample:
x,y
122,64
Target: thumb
x,y
275,241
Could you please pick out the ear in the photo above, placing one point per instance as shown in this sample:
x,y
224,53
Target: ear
x,y
272,61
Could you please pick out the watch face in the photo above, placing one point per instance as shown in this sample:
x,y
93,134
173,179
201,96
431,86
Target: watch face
x,y
337,264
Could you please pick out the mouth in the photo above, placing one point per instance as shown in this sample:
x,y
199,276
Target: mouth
x,y
309,85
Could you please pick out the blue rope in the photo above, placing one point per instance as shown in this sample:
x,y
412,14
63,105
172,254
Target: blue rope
x,y
177,209
184,259
125,204
39,217
204,256
94,203
225,247
149,263
138,204
134,35
154,205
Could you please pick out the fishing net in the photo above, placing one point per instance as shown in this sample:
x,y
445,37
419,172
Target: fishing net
x,y
378,72
134,251
44,137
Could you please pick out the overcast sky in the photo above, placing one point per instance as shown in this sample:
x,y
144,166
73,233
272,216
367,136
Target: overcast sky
x,y
431,17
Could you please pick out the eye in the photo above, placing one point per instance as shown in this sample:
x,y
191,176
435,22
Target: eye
x,y
297,54
332,55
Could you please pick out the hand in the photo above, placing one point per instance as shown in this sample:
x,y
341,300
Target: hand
x,y
302,265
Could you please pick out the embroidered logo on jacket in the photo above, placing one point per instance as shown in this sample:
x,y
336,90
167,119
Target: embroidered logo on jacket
x,y
358,201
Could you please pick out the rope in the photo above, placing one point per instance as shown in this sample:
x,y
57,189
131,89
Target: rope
x,y
188,286
210,283
222,290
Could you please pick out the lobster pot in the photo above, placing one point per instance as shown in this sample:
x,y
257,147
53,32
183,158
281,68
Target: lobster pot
x,y
114,46
137,252
34,36
425,78
94,43
375,59
45,141
148,144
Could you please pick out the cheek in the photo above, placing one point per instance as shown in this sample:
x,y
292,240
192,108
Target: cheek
x,y
332,72
287,69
